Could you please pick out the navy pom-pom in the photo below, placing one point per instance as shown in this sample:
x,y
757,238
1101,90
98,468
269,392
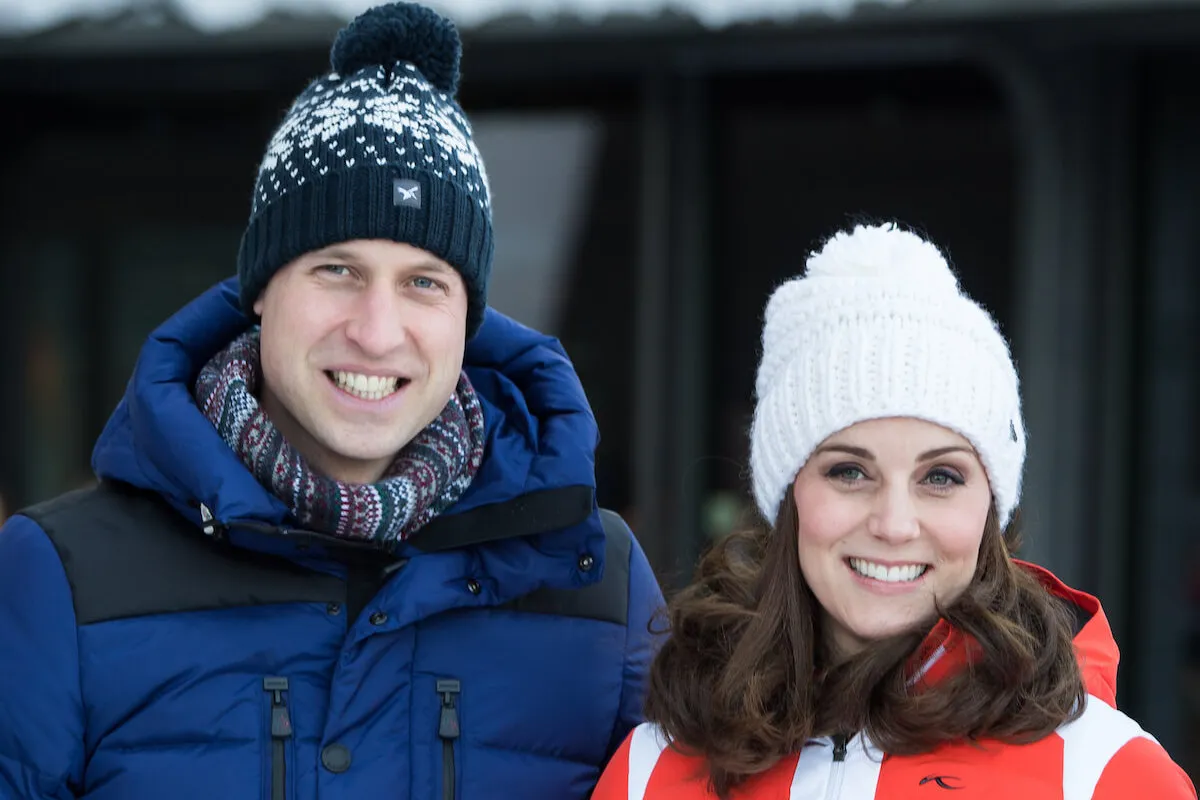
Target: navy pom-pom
x,y
401,32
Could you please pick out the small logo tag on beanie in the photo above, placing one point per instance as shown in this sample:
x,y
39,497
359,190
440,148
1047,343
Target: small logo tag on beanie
x,y
406,192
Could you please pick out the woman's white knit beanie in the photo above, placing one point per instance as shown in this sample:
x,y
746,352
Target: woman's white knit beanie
x,y
877,327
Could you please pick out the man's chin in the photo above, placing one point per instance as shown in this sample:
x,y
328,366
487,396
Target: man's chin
x,y
377,451
365,444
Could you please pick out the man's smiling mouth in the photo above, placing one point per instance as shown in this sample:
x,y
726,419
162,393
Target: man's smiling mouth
x,y
367,387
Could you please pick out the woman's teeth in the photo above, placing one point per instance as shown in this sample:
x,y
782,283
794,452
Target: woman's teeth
x,y
367,387
869,569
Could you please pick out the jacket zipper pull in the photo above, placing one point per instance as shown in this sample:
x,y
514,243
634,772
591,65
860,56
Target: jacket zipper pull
x,y
448,731
210,525
837,772
281,721
281,731
448,724
840,742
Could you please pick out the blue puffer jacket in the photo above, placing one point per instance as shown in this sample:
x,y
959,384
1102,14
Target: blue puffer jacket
x,y
149,649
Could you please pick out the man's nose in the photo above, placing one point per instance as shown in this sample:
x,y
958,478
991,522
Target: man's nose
x,y
376,325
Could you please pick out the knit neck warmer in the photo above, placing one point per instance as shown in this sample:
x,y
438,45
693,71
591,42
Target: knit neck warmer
x,y
428,476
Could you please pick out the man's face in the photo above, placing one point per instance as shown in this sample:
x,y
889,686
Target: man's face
x,y
362,346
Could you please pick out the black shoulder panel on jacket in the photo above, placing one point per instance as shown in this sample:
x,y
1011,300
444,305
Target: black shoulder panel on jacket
x,y
606,600
127,553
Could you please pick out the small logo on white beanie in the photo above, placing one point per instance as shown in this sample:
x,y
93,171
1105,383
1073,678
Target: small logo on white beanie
x,y
878,327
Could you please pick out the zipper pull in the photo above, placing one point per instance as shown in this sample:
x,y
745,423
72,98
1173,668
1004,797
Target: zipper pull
x,y
840,742
210,525
281,721
448,724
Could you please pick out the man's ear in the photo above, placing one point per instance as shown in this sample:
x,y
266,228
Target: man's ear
x,y
258,304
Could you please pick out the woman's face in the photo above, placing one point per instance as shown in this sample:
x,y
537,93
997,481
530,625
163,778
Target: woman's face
x,y
891,515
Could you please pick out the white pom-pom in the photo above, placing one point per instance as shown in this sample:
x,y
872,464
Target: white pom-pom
x,y
882,251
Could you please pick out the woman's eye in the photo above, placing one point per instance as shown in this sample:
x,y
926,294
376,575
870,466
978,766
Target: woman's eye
x,y
847,472
943,478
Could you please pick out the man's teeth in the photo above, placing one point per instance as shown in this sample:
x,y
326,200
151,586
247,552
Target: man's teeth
x,y
879,572
368,387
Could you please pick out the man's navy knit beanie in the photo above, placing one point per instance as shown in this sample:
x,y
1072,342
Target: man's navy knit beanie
x,y
376,149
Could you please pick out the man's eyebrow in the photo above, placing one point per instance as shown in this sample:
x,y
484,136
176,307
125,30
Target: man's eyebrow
x,y
433,265
344,253
335,251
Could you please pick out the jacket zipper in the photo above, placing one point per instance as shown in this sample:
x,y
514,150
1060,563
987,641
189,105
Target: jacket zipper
x,y
840,742
281,731
220,532
448,731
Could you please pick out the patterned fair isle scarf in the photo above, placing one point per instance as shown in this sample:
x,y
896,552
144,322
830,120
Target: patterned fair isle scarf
x,y
428,476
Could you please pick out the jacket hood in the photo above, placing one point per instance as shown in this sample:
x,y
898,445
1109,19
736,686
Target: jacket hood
x,y
538,470
947,650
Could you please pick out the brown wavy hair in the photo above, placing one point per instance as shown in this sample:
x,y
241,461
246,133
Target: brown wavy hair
x,y
745,678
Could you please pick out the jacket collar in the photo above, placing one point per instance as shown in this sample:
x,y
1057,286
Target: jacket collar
x,y
538,470
946,650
